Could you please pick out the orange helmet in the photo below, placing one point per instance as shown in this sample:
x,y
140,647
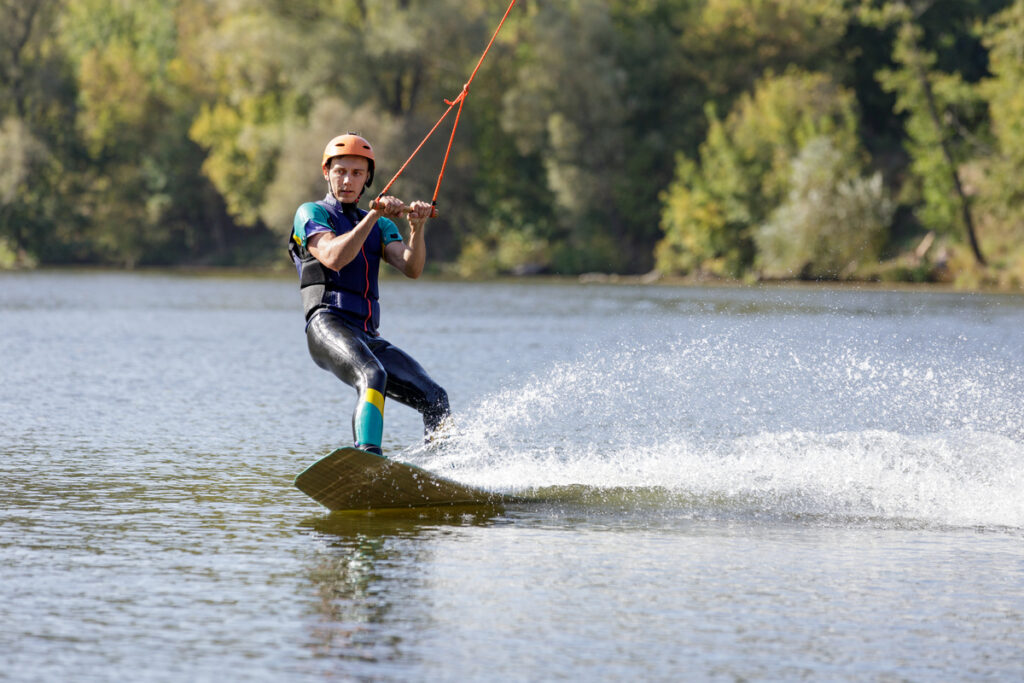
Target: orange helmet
x,y
349,144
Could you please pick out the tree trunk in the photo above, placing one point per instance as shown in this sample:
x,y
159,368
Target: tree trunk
x,y
965,207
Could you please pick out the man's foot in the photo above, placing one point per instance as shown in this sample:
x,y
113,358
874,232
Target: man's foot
x,y
370,448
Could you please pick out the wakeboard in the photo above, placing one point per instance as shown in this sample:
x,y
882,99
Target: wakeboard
x,y
352,479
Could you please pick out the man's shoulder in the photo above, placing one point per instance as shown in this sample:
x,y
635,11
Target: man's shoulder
x,y
310,218
312,211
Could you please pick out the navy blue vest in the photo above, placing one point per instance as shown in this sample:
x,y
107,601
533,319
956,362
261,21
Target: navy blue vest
x,y
351,292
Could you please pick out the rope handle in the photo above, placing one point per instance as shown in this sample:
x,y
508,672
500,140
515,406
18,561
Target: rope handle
x,y
378,205
459,100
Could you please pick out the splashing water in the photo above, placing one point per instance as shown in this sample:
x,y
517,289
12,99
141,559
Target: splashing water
x,y
843,430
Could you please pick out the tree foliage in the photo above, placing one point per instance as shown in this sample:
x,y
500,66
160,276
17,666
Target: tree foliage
x,y
743,169
931,100
1000,193
833,220
721,137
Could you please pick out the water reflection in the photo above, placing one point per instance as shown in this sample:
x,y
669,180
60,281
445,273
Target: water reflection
x,y
343,526
367,556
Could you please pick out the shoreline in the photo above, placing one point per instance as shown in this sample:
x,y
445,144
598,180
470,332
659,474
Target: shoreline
x,y
584,279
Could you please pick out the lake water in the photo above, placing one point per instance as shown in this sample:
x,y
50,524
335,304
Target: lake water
x,y
740,484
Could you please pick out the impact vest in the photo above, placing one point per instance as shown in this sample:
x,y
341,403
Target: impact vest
x,y
352,291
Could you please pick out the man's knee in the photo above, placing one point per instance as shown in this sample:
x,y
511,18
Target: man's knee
x,y
437,397
375,377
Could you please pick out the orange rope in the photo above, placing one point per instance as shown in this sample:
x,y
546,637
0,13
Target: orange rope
x,y
451,139
459,100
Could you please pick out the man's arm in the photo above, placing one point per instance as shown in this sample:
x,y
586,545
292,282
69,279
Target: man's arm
x,y
337,251
410,258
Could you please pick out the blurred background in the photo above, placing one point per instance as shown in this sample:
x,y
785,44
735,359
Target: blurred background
x,y
736,139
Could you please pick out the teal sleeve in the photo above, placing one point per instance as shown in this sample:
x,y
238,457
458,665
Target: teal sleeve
x,y
388,231
310,219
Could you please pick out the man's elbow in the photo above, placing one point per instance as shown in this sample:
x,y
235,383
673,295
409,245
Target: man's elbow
x,y
335,259
338,262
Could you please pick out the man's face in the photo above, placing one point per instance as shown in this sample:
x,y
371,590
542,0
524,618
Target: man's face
x,y
347,175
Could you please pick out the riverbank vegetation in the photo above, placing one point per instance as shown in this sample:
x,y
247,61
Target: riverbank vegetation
x,y
740,139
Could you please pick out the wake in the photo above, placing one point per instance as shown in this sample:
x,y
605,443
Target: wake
x,y
843,431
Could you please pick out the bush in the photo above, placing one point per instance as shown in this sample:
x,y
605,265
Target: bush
x,y
833,220
713,207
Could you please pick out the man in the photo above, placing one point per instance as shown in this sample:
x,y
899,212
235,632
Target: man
x,y
337,249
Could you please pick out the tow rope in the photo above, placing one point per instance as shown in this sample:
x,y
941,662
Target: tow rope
x,y
459,100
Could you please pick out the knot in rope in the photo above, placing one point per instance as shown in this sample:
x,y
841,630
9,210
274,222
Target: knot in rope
x,y
461,96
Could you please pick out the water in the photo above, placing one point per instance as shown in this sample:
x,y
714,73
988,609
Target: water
x,y
739,483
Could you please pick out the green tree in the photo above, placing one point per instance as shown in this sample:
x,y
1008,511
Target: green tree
x,y
1000,194
730,44
939,107
663,92
25,58
567,107
38,143
248,59
139,191
21,158
833,220
1004,90
744,167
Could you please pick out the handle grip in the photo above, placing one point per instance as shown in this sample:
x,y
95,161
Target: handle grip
x,y
406,210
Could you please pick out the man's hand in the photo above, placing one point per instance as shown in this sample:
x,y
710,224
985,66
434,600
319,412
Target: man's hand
x,y
419,212
410,256
390,207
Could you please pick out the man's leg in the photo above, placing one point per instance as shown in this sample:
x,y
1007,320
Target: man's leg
x,y
409,383
341,350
